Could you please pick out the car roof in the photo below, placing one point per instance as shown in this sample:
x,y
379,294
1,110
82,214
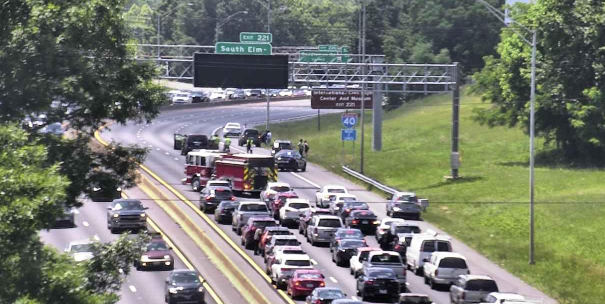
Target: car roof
x,y
284,237
469,277
221,181
277,228
400,193
379,252
326,216
334,187
252,203
283,141
347,229
297,200
343,195
286,247
328,288
261,219
125,200
224,188
308,271
80,242
444,254
298,257
507,295
184,270
364,212
278,184
317,209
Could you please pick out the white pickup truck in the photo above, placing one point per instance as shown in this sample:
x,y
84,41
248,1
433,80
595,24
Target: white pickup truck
x,y
443,268
285,266
387,259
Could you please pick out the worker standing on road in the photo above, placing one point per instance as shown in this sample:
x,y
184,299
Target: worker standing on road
x,y
227,144
306,148
301,147
268,139
249,146
257,235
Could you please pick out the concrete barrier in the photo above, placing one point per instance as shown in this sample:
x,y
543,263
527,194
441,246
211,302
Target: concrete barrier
x,y
227,103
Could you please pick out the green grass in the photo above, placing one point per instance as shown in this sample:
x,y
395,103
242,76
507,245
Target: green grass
x,y
487,208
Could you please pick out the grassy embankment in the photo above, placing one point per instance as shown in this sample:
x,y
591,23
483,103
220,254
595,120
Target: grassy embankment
x,y
487,208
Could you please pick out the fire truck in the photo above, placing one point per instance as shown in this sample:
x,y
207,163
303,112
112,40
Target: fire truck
x,y
246,172
199,167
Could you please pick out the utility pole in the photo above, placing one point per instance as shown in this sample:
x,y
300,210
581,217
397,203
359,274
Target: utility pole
x,y
455,156
363,86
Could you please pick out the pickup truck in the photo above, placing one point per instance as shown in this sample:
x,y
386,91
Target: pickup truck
x,y
356,262
285,266
443,268
246,210
387,259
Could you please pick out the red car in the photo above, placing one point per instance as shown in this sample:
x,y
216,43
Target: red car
x,y
269,232
279,201
303,282
250,228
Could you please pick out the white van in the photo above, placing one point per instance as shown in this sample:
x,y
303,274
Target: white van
x,y
422,246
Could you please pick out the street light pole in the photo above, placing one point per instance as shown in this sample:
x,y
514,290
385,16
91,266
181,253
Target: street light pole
x,y
160,22
363,86
532,109
218,26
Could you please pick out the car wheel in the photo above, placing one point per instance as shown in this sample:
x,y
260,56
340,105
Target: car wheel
x,y
426,280
304,168
389,213
203,207
433,285
311,241
113,230
232,228
418,271
239,231
195,184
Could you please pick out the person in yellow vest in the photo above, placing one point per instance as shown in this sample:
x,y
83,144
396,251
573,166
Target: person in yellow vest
x,y
227,144
249,146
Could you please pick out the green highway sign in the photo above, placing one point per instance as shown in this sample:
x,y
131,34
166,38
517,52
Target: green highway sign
x,y
318,56
255,37
344,49
328,47
243,48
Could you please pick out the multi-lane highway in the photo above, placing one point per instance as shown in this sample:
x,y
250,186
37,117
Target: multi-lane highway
x,y
167,164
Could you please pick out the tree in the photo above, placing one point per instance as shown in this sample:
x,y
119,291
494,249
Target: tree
x,y
570,103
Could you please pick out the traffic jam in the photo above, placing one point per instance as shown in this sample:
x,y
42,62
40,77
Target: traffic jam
x,y
272,227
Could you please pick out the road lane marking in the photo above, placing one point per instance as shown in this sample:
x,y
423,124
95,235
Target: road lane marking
x,y
355,298
314,262
76,211
85,223
306,180
333,280
167,153
132,288
157,149
176,158
96,238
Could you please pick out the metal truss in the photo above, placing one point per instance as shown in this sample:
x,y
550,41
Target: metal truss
x,y
376,75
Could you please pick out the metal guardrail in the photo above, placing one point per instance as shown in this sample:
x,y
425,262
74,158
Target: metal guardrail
x,y
424,203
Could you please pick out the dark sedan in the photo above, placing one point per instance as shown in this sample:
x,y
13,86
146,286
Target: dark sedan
x,y
377,282
345,234
238,94
212,196
183,286
290,160
156,254
347,207
345,249
364,220
325,295
224,212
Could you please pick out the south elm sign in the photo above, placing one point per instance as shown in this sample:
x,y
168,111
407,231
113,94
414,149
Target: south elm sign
x,y
243,48
329,99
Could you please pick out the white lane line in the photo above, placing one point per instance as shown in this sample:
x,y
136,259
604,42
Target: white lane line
x,y
167,153
306,180
85,223
333,280
96,238
355,298
132,288
157,148
314,262
144,142
176,158
76,211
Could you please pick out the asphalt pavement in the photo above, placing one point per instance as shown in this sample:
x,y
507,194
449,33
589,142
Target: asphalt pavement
x,y
168,164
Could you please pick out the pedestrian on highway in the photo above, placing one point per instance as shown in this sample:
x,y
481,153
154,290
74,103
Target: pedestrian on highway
x,y
215,141
227,144
257,235
268,139
306,148
249,146
301,147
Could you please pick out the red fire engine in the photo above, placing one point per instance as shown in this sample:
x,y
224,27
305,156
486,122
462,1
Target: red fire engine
x,y
199,167
247,172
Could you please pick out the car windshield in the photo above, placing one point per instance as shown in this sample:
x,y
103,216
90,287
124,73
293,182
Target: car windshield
x,y
386,258
349,234
287,153
286,242
193,138
186,277
453,263
337,190
222,193
482,285
352,244
416,300
228,205
128,205
251,132
157,246
363,215
291,251
331,294
309,276
280,188
264,224
407,229
285,146
81,248
298,263
299,205
329,223
355,204
254,207
347,199
382,274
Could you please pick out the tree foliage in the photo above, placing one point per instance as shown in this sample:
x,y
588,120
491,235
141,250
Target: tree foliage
x,y
570,106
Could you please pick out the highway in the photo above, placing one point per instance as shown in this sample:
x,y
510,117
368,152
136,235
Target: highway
x,y
168,164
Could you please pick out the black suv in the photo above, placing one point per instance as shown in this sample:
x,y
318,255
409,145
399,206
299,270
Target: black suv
x,y
212,196
183,285
126,214
378,282
364,220
249,134
290,160
191,142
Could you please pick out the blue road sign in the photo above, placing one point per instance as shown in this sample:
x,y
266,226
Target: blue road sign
x,y
349,134
349,120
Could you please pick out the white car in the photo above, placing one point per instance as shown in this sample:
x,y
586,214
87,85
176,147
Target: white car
x,y
339,200
505,297
443,268
292,210
324,196
285,93
232,129
218,95
285,266
181,98
385,224
80,250
272,188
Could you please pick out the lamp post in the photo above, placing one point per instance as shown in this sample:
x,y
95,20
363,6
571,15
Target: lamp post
x,y
219,24
506,20
160,16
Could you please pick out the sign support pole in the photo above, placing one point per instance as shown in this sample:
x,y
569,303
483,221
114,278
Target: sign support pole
x,y
318,121
267,124
363,91
455,127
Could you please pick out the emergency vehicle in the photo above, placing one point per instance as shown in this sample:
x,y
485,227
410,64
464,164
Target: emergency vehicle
x,y
246,172
199,167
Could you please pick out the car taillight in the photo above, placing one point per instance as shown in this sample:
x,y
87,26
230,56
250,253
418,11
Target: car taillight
x,y
348,210
233,198
396,247
284,269
322,284
464,295
318,301
209,197
436,272
297,283
369,282
355,222
315,230
376,222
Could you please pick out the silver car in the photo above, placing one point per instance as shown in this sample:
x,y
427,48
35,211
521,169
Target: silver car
x,y
322,228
